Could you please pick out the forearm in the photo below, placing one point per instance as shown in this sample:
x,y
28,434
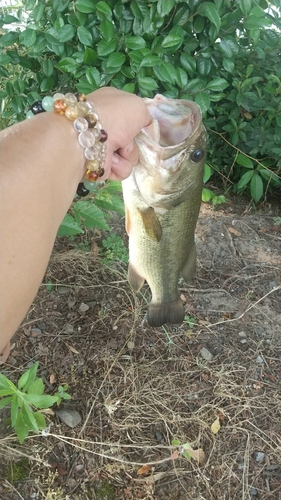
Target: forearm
x,y
41,165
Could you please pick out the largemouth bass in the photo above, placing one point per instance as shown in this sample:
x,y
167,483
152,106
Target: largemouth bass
x,y
162,201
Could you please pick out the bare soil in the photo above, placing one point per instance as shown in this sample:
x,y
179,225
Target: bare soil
x,y
137,388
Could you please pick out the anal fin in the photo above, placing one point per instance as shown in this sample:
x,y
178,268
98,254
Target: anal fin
x,y
159,314
135,280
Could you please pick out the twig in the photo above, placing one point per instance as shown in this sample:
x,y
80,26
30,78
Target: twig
x,y
13,488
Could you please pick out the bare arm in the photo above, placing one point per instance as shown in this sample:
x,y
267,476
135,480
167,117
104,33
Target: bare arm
x,y
41,166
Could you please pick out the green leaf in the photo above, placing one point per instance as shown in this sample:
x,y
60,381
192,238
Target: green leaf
x,y
203,100
38,12
28,37
69,227
40,420
217,84
188,63
48,67
139,8
165,6
135,42
244,161
228,48
174,38
85,6
175,442
255,23
109,201
68,65
228,65
93,77
29,419
107,29
204,65
6,384
147,83
5,401
14,409
129,87
104,47
90,215
166,72
104,9
245,179
85,36
77,18
65,33
181,78
37,387
8,19
207,195
256,187
40,401
150,60
207,172
209,10
9,39
245,6
28,377
21,429
116,60
90,56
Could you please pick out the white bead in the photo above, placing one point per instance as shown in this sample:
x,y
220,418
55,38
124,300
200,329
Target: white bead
x,y
86,139
80,124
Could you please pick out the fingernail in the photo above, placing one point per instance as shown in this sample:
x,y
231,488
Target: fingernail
x,y
115,159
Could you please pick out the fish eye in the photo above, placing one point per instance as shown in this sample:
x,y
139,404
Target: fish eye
x,y
197,155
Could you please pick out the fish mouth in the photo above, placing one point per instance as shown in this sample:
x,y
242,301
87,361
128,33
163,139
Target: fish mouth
x,y
174,121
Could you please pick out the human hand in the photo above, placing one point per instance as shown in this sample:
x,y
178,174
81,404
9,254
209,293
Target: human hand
x,y
123,115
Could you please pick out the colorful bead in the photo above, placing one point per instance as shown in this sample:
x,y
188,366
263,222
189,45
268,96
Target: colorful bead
x,y
71,113
48,103
82,190
37,108
60,106
103,135
93,165
29,114
92,176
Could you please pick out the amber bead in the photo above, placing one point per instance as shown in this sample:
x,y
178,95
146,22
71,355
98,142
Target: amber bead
x,y
103,135
71,113
59,107
92,120
92,176
80,97
101,172
93,165
37,108
81,190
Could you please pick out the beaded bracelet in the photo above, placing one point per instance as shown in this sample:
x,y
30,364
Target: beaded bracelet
x,y
91,135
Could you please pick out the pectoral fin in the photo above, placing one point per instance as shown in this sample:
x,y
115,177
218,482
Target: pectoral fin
x,y
135,280
151,224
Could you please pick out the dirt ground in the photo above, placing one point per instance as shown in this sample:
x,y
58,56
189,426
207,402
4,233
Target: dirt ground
x,y
138,389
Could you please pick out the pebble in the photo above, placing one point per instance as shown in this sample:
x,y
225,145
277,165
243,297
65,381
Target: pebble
x,y
70,417
272,284
260,360
259,456
206,354
35,332
83,307
68,328
158,436
130,345
242,334
253,491
243,341
62,290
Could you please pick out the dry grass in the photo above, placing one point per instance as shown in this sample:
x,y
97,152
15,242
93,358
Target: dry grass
x,y
136,399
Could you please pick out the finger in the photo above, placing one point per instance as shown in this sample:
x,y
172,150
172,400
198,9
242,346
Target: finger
x,y
120,168
130,153
5,353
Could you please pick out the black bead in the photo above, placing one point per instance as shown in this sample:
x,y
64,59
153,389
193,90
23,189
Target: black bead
x,y
37,108
81,190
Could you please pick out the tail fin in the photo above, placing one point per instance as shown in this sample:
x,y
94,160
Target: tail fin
x,y
159,314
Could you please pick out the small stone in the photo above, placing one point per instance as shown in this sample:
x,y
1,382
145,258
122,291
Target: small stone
x,y
68,328
243,341
63,290
130,345
242,334
253,491
272,284
35,332
158,436
260,360
259,456
83,307
69,417
206,354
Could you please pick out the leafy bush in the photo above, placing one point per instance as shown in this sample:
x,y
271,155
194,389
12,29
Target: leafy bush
x,y
223,54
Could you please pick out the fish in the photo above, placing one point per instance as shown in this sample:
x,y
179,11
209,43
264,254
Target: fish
x,y
162,198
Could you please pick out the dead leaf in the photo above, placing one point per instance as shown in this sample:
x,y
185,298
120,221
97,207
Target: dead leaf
x,y
183,298
234,231
95,249
215,427
52,378
198,455
72,349
175,455
144,469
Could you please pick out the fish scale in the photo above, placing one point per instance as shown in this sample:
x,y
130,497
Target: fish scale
x,y
162,201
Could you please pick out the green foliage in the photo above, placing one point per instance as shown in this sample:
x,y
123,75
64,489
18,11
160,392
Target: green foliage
x,y
113,248
23,398
225,55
